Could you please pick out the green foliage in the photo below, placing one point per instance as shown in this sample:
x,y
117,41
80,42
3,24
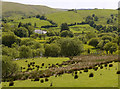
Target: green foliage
x,y
12,52
53,39
21,32
8,67
64,26
66,34
111,47
52,50
25,52
8,38
70,47
94,42
107,38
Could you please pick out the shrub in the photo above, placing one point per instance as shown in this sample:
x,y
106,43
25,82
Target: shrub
x,y
105,65
110,65
118,72
75,72
101,67
85,70
80,72
36,79
11,83
95,68
46,79
42,64
42,81
91,75
76,76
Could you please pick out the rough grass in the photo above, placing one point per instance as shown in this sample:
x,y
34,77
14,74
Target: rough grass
x,y
102,78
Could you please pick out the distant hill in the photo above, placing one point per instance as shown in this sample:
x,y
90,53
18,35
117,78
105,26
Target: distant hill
x,y
17,9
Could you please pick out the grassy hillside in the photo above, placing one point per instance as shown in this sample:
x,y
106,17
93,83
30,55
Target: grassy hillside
x,y
105,77
71,17
16,9
38,22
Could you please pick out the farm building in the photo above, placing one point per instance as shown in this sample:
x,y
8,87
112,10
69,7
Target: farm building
x,y
40,32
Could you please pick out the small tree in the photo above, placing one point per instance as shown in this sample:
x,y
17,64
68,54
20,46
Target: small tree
x,y
64,26
66,34
94,42
111,47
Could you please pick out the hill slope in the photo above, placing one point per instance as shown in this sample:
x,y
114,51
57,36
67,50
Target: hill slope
x,y
72,17
16,9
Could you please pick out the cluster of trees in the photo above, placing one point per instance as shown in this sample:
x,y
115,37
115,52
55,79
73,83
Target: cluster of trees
x,y
64,47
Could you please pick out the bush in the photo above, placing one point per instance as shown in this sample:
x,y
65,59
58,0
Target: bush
x,y
94,42
80,72
76,76
46,79
11,83
101,67
95,68
21,32
105,65
75,72
42,81
110,65
36,79
91,75
25,52
42,64
66,34
118,72
85,70
8,38
52,50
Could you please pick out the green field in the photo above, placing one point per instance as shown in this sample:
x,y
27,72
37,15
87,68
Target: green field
x,y
39,61
105,77
38,22
72,17
82,28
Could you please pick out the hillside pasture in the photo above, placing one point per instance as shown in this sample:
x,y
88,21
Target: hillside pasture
x,y
105,77
72,17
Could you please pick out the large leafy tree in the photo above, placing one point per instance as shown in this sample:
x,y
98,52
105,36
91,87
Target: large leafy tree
x,y
8,38
25,52
70,47
52,50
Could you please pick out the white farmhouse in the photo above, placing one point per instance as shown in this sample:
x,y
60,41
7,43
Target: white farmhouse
x,y
40,32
